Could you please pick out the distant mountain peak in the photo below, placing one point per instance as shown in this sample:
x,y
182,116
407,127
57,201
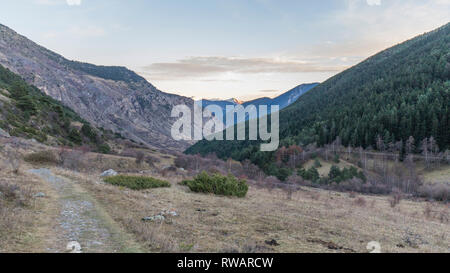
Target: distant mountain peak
x,y
235,101
282,101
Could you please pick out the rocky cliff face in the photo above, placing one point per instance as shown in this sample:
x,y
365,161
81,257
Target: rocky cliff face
x,y
114,98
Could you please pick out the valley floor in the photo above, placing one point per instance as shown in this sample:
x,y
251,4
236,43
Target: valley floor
x,y
311,221
104,218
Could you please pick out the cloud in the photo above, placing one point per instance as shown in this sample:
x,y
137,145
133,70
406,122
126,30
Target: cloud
x,y
362,31
200,67
73,2
373,2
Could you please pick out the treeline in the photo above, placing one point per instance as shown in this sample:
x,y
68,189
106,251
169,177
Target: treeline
x,y
401,92
115,73
351,171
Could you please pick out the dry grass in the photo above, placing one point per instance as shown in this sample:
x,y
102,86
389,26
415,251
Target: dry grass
x,y
361,202
438,175
19,209
311,221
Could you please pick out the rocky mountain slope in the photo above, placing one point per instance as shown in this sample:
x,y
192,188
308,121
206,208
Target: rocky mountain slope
x,y
114,98
28,113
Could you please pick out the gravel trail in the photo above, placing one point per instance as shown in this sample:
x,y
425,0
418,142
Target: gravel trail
x,y
80,219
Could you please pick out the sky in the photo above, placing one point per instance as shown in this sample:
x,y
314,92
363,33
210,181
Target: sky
x,y
224,48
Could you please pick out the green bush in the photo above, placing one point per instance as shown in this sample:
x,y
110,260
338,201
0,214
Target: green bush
x,y
218,184
89,132
27,104
336,159
104,148
75,137
337,175
280,173
137,182
310,175
317,163
43,157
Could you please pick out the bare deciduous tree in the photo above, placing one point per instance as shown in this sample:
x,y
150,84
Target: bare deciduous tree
x,y
140,156
425,148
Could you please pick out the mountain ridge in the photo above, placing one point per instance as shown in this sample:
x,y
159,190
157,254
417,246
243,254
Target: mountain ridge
x,y
402,91
112,97
283,100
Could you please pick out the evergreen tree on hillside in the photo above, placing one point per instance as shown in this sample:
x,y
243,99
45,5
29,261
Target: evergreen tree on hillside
x,y
401,92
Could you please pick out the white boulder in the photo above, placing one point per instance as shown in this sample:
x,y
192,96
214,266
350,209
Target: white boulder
x,y
4,134
109,172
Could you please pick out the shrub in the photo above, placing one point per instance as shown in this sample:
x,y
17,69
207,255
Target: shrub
x,y
20,195
140,156
337,175
89,132
336,159
360,202
395,199
75,137
104,148
151,160
438,192
428,211
311,174
218,184
277,170
283,173
271,182
27,105
317,164
42,157
137,182
72,159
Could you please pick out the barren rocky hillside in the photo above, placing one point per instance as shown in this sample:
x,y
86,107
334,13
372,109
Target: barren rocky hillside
x,y
111,97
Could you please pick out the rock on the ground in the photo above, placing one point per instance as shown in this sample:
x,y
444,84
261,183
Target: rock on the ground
x,y
74,247
156,218
161,217
272,242
170,212
4,134
109,172
39,195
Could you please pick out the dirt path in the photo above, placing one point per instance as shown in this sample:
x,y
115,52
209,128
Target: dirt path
x,y
81,219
